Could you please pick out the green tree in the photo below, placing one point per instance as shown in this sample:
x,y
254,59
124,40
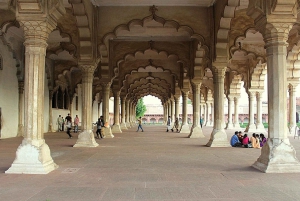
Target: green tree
x,y
140,108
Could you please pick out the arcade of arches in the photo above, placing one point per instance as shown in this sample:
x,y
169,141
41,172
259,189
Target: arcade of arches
x,y
70,56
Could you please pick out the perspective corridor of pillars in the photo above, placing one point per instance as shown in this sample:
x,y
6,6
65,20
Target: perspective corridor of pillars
x,y
184,126
123,119
86,136
236,123
277,155
116,127
251,128
259,125
21,110
105,110
292,109
229,122
127,114
196,130
33,154
218,136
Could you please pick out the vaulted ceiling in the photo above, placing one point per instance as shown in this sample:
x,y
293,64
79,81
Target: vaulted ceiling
x,y
144,49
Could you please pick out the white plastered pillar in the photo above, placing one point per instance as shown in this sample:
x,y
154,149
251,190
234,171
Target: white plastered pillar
x,y
116,127
127,114
292,109
33,154
218,136
236,123
259,125
277,155
229,122
105,110
86,136
251,128
196,130
184,126
123,119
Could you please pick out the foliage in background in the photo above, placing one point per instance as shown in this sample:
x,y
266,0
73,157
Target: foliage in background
x,y
140,108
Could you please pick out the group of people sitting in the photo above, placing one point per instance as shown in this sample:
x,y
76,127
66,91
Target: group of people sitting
x,y
240,140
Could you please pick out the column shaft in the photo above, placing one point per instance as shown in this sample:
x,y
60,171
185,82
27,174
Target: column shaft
x,y
236,113
196,130
86,136
218,136
184,126
229,122
116,127
105,110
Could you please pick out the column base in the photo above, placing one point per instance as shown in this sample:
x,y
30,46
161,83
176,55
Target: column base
x,y
237,126
196,132
20,130
107,133
292,130
229,126
278,156
218,138
185,129
86,139
251,128
123,126
128,125
261,129
116,129
32,159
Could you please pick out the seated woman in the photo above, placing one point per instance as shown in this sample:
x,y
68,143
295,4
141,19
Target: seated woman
x,y
246,142
255,141
263,140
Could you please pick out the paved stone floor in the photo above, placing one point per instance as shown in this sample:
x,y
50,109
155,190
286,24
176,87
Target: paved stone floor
x,y
147,166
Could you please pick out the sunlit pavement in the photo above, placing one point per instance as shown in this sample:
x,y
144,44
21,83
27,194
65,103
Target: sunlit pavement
x,y
150,165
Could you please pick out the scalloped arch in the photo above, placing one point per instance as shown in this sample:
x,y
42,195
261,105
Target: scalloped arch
x,y
225,25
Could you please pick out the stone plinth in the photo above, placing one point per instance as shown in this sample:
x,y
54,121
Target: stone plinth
x,y
31,159
107,133
116,129
196,132
86,139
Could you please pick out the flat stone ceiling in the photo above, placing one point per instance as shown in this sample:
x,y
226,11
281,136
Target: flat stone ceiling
x,y
203,3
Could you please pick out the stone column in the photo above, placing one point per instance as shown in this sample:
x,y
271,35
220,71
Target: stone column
x,y
33,155
292,109
277,155
184,126
95,110
116,127
173,111
177,107
100,108
132,115
86,136
229,123
196,130
21,110
123,119
127,114
259,125
50,127
236,123
212,115
208,110
251,128
105,109
218,136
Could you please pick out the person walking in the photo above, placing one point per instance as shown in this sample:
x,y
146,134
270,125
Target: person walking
x,y
100,124
169,123
140,124
76,123
68,121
